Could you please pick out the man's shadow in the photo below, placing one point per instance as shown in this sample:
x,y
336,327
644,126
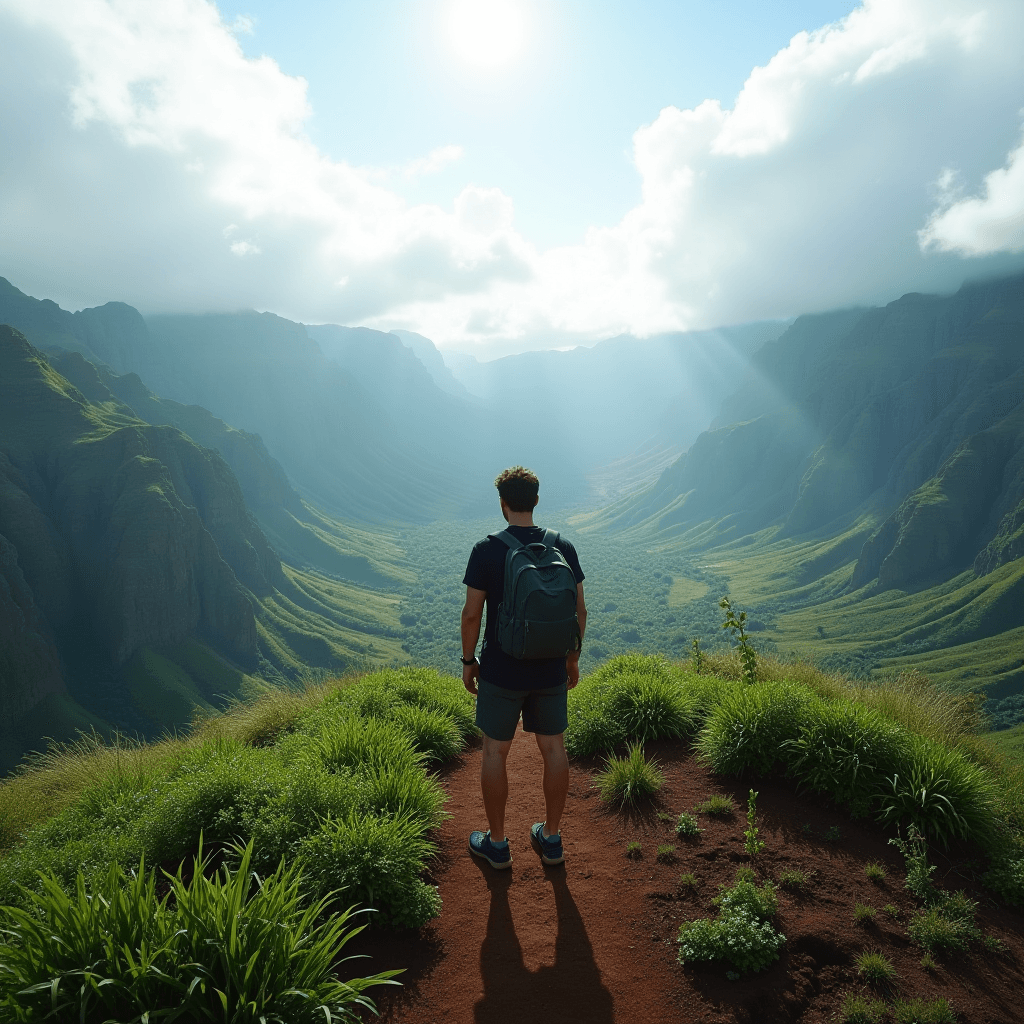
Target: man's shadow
x,y
569,990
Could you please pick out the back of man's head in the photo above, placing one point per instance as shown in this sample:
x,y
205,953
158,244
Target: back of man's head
x,y
518,487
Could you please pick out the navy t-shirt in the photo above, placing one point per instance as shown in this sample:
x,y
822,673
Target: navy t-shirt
x,y
486,571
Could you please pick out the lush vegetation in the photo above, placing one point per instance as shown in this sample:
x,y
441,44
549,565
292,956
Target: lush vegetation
x,y
316,791
897,749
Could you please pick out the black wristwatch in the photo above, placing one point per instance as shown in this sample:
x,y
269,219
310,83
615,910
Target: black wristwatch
x,y
469,661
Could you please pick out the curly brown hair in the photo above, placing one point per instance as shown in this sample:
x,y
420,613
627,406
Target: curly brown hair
x,y
518,488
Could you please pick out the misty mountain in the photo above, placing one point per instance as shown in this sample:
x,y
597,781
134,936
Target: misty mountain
x,y
427,353
116,536
912,412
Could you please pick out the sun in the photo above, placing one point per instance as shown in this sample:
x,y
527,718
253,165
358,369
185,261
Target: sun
x,y
486,33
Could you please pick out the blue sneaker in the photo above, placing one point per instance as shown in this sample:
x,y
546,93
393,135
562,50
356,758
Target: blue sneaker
x,y
481,846
549,847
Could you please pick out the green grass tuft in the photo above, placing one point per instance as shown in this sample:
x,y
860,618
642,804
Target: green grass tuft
x,y
875,967
922,1011
863,914
875,871
630,779
792,880
716,806
858,1009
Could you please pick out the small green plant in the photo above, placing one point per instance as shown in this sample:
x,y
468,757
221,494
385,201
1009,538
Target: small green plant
x,y
807,829
923,1011
688,881
634,851
946,925
992,944
792,880
858,1009
751,843
666,854
919,871
863,914
737,625
833,834
744,874
718,805
892,911
630,779
733,975
928,963
742,935
875,967
664,816
698,657
687,827
875,872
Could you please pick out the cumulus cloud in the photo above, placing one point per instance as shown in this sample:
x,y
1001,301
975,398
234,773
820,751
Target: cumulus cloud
x,y
980,225
147,159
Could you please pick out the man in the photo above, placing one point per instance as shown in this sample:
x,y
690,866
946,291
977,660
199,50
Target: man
x,y
506,687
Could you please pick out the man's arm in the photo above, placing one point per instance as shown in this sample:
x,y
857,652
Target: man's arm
x,y
572,661
472,616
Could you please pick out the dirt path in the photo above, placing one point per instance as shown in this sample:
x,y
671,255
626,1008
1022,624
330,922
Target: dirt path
x,y
593,940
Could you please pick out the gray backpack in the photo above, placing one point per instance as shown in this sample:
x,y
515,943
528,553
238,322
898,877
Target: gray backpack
x,y
537,615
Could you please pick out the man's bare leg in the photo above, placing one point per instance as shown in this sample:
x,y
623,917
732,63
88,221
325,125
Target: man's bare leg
x,y
556,780
494,784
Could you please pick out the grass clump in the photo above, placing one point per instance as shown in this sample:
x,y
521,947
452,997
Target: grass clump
x,y
718,805
875,871
742,935
923,1011
875,967
750,725
687,827
892,911
116,950
632,699
336,784
863,914
666,854
946,926
689,880
928,963
859,1009
792,880
634,851
630,779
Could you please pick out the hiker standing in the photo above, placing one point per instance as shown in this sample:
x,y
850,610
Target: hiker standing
x,y
531,582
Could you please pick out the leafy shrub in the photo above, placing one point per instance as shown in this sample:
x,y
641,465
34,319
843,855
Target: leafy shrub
x,y
630,779
748,728
919,871
922,1011
842,751
121,952
687,827
941,791
742,934
376,861
858,1009
875,967
716,806
633,698
1006,878
737,624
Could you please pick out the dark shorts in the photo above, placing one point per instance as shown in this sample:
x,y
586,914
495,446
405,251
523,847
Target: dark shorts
x,y
498,710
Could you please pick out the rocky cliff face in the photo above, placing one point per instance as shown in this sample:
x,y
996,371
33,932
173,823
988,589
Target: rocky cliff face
x,y
914,409
112,528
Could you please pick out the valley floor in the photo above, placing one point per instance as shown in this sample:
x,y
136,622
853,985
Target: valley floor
x,y
593,941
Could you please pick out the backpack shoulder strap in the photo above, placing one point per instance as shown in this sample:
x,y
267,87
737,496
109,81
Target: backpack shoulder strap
x,y
506,538
551,538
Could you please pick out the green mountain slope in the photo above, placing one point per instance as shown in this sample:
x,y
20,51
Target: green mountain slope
x,y
135,584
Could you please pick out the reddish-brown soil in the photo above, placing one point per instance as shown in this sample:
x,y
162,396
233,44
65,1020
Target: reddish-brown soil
x,y
593,940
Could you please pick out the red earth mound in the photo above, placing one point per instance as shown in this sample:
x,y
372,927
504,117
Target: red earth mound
x,y
594,940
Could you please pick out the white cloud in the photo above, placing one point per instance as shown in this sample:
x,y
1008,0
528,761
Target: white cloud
x,y
436,160
980,225
134,131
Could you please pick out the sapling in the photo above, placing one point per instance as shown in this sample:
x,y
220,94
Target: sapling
x,y
753,845
737,625
698,657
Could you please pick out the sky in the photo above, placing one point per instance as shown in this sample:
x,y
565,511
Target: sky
x,y
501,175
